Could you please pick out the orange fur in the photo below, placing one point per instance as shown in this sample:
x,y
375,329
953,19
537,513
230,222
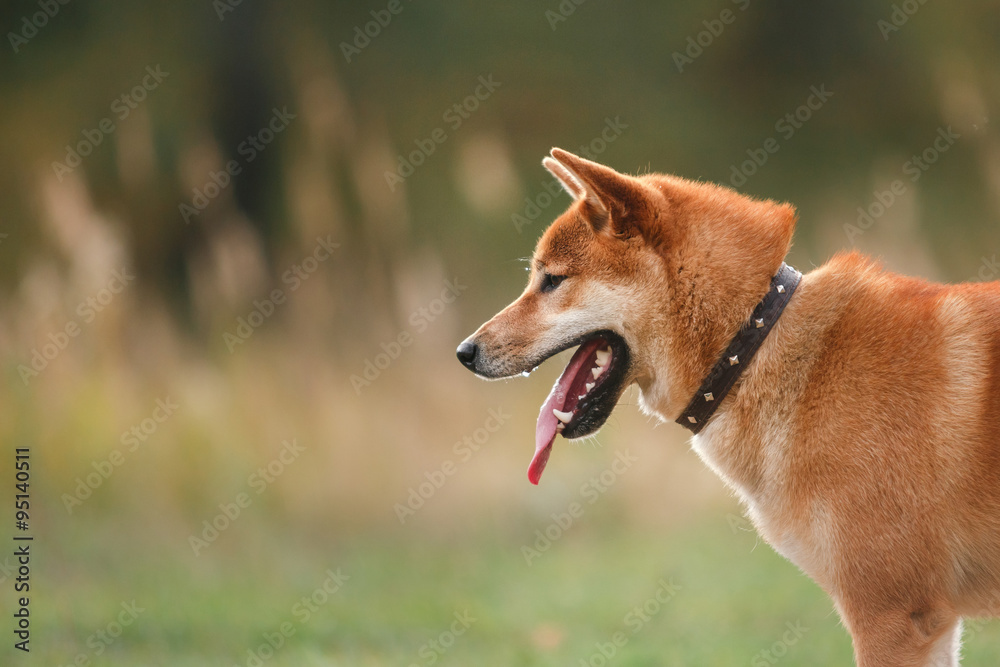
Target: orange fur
x,y
864,438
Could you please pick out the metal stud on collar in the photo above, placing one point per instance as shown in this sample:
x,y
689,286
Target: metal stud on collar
x,y
740,353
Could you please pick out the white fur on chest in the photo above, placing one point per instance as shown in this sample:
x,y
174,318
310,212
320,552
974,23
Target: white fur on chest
x,y
806,544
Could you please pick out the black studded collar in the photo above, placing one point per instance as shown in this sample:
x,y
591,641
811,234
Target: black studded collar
x,y
741,350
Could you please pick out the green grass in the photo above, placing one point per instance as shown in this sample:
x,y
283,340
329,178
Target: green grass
x,y
734,600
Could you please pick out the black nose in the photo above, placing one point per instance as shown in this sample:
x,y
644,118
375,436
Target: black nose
x,y
467,354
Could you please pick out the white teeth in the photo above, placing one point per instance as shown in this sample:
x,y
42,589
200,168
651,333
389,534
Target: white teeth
x,y
560,427
596,371
603,356
581,397
590,385
564,417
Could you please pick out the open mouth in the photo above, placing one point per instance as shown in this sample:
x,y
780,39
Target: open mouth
x,y
583,397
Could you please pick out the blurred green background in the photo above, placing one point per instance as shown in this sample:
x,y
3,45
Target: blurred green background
x,y
219,306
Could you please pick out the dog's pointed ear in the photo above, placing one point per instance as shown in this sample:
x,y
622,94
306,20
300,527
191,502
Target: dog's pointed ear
x,y
607,193
569,183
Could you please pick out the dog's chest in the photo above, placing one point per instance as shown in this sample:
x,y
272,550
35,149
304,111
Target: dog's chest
x,y
800,529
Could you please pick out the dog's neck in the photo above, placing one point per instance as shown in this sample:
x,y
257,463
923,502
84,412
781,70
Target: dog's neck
x,y
740,351
717,266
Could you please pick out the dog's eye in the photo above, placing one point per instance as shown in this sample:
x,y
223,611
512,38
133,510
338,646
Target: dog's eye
x,y
550,282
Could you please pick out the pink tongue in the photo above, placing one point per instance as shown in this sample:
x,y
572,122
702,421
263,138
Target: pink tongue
x,y
545,430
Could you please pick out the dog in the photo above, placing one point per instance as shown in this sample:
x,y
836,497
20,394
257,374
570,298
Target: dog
x,y
860,427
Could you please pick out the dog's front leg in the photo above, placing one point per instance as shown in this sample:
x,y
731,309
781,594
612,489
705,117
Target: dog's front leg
x,y
902,638
946,650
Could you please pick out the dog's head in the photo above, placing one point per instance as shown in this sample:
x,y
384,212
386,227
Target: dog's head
x,y
649,276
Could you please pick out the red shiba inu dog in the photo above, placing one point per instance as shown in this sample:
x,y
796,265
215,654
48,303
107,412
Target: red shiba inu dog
x,y
856,413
